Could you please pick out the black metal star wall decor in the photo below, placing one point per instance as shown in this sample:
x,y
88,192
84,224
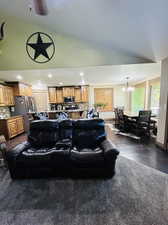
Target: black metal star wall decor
x,y
40,47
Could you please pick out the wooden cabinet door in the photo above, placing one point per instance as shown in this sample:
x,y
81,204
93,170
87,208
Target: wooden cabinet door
x,y
5,95
72,91
21,89
20,126
59,95
1,96
12,128
78,94
84,91
29,90
52,95
68,92
10,96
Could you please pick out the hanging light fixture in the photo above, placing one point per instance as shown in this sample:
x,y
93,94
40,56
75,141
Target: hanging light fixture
x,y
128,88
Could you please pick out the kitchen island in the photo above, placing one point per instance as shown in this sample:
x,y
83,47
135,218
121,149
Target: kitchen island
x,y
72,114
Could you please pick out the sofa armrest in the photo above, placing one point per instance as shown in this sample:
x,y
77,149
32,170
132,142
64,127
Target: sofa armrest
x,y
109,149
13,153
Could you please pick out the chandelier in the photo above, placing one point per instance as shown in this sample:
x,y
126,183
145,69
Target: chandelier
x,y
128,88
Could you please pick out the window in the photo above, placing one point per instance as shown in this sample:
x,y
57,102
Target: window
x,y
154,96
138,98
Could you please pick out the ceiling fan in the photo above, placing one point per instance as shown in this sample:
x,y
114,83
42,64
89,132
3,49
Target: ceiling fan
x,y
41,7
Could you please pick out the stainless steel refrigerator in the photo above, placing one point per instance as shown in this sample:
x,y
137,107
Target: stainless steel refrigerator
x,y
23,106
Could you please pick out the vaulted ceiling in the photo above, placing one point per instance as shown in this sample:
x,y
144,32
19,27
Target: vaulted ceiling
x,y
135,27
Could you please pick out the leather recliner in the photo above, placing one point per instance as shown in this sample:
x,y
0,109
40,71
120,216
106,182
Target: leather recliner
x,y
68,148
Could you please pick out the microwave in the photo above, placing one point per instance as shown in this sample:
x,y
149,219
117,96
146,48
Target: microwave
x,y
69,99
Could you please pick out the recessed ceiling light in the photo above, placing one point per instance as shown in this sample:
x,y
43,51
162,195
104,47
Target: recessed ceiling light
x,y
19,77
50,75
60,83
81,74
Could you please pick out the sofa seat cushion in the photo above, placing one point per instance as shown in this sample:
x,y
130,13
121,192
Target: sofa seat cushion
x,y
87,157
43,157
35,158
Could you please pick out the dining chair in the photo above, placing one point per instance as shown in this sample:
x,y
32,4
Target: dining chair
x,y
123,121
116,119
141,127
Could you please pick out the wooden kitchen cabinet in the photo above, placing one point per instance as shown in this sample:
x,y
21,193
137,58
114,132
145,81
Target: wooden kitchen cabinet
x,y
20,125
59,95
68,92
6,96
9,96
12,126
78,94
52,95
84,93
21,89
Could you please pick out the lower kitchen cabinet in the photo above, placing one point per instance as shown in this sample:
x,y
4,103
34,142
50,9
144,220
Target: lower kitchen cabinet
x,y
12,126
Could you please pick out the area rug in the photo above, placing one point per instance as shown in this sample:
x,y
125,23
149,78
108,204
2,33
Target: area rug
x,y
136,195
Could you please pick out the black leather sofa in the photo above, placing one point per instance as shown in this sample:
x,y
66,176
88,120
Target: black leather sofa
x,y
64,149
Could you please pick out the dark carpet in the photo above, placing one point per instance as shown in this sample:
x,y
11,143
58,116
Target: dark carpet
x,y
137,195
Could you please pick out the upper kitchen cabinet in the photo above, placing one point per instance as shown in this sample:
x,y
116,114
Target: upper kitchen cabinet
x,y
21,89
68,92
52,95
6,96
78,94
59,94
84,94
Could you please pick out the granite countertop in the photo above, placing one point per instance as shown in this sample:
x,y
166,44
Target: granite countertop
x,y
57,111
72,110
11,117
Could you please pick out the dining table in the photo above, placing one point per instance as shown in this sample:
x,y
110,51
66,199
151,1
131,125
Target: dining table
x,y
134,115
131,114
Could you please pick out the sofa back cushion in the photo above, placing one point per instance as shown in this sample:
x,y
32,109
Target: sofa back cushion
x,y
43,133
65,129
88,133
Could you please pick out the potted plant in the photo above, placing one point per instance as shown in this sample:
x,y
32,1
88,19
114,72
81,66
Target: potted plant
x,y
99,106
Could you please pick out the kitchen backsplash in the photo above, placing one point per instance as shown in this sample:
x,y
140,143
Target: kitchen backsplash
x,y
4,112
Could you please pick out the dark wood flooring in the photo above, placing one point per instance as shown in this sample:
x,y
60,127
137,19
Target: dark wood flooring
x,y
145,153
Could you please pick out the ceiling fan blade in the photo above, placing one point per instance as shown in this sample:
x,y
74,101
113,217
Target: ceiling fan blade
x,y
41,7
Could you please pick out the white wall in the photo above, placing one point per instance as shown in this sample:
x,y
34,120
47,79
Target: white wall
x,y
119,98
163,115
